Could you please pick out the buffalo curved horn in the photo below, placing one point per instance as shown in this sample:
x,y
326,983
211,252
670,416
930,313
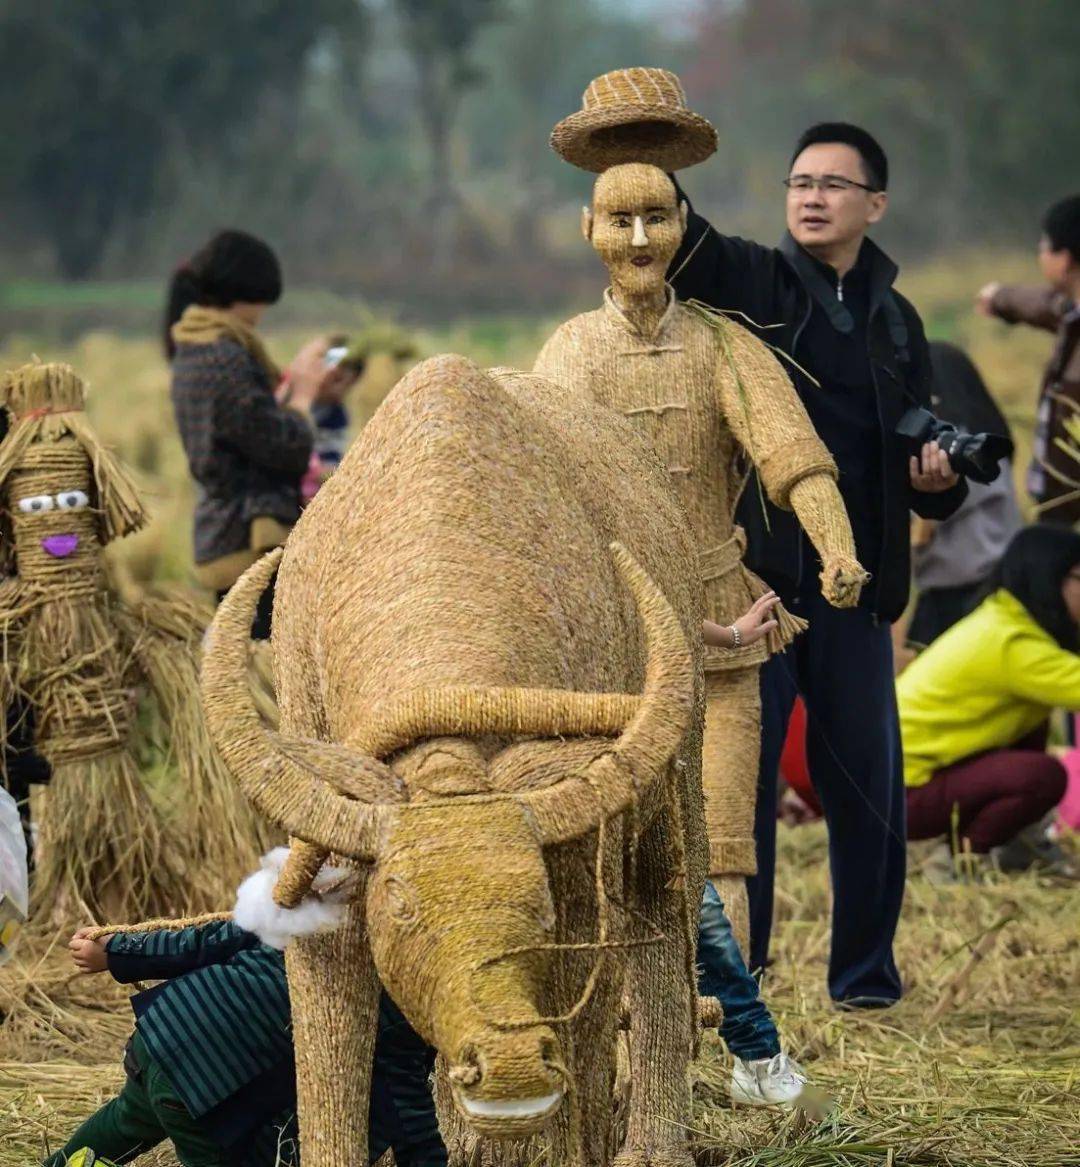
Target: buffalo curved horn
x,y
466,710
278,773
640,756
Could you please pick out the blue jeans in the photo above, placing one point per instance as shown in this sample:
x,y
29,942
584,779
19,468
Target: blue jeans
x,y
748,1028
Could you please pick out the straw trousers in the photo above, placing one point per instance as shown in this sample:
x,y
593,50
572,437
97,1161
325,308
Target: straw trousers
x,y
729,761
843,668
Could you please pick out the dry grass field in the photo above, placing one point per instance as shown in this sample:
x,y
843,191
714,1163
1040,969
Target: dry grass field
x,y
991,1078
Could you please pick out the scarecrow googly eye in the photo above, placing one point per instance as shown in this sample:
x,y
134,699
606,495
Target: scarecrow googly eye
x,y
72,500
37,504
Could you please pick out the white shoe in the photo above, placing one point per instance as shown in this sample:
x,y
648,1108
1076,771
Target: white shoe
x,y
774,1081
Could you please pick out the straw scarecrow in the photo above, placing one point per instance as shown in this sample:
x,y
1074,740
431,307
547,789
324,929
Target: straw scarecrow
x,y
491,706
709,397
81,657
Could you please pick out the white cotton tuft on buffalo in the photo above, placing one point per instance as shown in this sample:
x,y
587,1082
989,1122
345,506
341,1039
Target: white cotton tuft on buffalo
x,y
256,911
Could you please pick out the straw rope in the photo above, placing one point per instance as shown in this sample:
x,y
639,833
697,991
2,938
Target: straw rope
x,y
159,925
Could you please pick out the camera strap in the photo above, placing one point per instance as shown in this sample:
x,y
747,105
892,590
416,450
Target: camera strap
x,y
898,330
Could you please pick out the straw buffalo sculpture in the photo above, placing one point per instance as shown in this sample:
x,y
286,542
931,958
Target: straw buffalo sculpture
x,y
485,637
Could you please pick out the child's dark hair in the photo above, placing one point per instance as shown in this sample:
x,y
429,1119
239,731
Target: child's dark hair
x,y
233,267
1061,226
875,164
1033,569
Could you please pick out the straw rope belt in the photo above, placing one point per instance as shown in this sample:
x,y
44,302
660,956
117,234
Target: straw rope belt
x,y
716,562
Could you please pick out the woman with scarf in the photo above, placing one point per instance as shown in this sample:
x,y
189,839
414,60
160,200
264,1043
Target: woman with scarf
x,y
245,425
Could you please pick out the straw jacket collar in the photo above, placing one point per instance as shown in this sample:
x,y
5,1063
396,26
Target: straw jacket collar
x,y
615,314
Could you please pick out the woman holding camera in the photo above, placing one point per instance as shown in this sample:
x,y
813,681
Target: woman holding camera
x,y
245,426
974,705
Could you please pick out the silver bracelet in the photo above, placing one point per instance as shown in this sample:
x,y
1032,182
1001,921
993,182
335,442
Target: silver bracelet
x,y
736,636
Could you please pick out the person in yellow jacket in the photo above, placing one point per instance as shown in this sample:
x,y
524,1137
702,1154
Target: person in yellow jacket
x,y
974,705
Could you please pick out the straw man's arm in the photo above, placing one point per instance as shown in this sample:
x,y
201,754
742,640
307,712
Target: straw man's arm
x,y
795,468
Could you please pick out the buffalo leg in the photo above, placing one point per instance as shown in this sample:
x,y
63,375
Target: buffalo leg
x,y
334,994
659,996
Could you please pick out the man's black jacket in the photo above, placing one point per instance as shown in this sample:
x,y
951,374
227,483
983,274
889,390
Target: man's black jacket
x,y
780,287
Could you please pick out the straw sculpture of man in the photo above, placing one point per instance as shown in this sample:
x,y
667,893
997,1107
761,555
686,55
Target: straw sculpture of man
x,y
711,399
485,638
81,657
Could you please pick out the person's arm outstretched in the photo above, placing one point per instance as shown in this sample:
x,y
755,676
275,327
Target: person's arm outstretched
x,y
1041,307
754,625
158,955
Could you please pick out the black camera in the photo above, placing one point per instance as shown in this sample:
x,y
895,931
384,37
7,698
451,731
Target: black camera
x,y
974,456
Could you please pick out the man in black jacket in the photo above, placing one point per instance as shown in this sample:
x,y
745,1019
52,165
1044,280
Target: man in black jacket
x,y
825,298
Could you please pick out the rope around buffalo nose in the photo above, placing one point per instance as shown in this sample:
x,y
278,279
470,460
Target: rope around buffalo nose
x,y
603,943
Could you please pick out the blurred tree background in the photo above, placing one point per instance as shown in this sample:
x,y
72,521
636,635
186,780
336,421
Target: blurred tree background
x,y
396,149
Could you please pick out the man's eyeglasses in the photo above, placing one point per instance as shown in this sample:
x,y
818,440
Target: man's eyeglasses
x,y
834,183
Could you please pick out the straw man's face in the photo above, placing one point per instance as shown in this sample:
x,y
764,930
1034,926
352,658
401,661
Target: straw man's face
x,y
636,225
49,500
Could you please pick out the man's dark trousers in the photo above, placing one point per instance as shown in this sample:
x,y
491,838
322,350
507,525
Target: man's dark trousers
x,y
843,668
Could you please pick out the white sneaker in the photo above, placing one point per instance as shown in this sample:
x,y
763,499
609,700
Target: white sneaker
x,y
774,1081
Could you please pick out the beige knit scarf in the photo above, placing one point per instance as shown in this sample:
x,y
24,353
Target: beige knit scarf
x,y
202,325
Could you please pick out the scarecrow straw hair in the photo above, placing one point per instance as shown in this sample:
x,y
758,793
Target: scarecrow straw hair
x,y
47,404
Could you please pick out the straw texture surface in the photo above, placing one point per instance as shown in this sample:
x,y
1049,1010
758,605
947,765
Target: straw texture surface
x,y
634,115
491,702
707,396
82,657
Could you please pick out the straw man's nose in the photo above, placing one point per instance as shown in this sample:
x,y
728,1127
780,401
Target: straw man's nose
x,y
640,239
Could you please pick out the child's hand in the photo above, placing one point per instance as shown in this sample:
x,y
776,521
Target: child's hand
x,y
755,624
89,955
758,621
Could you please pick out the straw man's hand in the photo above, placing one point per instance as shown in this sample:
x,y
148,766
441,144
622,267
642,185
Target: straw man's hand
x,y
842,580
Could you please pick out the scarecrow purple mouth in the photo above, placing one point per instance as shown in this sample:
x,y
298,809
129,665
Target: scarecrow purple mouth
x,y
60,546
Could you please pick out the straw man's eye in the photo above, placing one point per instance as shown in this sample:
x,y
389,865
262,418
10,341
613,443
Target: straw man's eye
x,y
37,504
72,500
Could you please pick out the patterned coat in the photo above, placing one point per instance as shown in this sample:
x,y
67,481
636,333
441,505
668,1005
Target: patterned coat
x,y
246,452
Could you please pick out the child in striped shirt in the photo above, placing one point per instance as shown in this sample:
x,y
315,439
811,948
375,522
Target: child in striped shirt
x,y
210,1065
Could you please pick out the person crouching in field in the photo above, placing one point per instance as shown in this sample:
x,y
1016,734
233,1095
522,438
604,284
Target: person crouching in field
x,y
246,427
210,1064
974,706
1054,475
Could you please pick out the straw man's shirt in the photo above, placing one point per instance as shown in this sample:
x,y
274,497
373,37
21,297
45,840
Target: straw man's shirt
x,y
712,399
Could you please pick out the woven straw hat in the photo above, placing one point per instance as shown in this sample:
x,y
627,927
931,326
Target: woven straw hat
x,y
634,115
